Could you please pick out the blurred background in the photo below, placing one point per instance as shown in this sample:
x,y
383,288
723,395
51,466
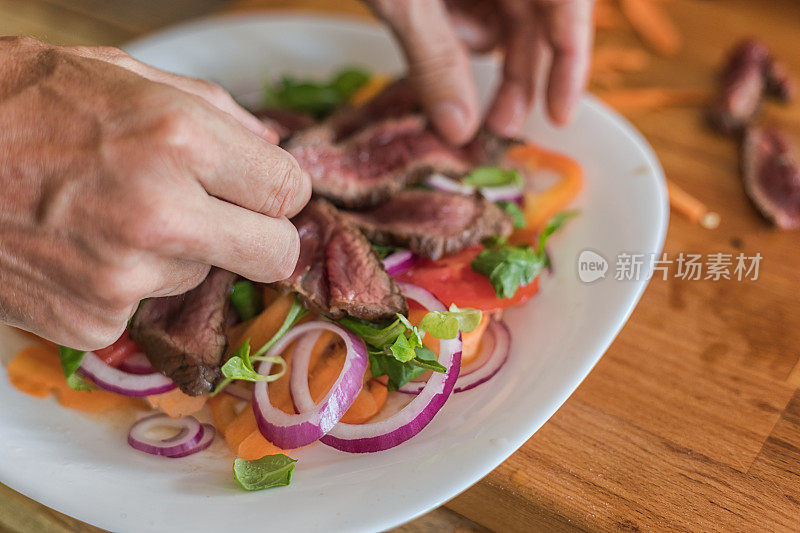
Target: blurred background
x,y
693,415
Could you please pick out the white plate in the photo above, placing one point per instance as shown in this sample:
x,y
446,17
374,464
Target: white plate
x,y
83,467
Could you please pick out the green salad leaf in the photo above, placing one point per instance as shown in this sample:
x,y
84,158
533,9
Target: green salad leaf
x,y
265,473
70,361
246,299
493,177
517,216
240,364
447,324
316,97
509,267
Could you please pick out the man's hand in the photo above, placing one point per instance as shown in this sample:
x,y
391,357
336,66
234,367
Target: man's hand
x,y
548,40
120,182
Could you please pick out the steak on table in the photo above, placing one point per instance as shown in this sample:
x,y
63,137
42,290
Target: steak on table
x,y
375,163
184,336
432,223
338,272
771,172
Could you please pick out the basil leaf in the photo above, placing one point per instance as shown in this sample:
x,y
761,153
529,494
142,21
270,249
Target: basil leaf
x,y
246,299
70,361
517,216
493,177
267,472
426,359
316,98
508,267
372,334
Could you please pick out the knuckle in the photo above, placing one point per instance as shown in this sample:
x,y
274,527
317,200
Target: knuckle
x,y
115,289
20,41
214,92
175,128
147,222
290,187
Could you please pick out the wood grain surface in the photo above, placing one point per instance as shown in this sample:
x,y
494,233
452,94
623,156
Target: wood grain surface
x,y
691,421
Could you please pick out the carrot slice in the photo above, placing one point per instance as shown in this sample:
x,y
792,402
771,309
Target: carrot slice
x,y
223,410
255,446
375,85
653,25
177,404
471,342
626,100
240,428
265,325
36,370
541,206
368,403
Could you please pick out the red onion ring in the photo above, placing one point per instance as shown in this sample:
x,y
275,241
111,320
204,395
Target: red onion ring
x,y
398,262
491,359
137,364
209,432
442,183
120,382
406,423
294,430
189,435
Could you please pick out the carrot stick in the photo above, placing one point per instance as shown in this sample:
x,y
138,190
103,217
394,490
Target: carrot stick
x,y
690,207
626,100
619,58
223,410
177,404
255,446
607,17
653,25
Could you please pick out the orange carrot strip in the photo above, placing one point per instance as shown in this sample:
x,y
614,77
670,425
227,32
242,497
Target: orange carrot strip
x,y
223,410
255,446
690,207
471,342
607,17
375,85
626,100
619,59
265,325
540,207
240,428
177,404
653,25
368,403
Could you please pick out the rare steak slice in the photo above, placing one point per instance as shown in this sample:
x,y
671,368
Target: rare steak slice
x,y
398,99
432,223
771,172
285,122
338,272
374,164
184,336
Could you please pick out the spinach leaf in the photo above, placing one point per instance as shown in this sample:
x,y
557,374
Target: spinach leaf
x,y
70,361
246,299
267,472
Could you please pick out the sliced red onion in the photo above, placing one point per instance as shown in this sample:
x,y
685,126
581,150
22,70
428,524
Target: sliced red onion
x,y
398,262
505,193
209,432
294,430
440,182
238,390
498,357
496,347
188,436
120,382
398,428
137,364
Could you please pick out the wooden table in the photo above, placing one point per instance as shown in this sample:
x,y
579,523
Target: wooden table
x,y
691,421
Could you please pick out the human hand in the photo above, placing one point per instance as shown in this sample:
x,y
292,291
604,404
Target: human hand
x,y
120,182
543,40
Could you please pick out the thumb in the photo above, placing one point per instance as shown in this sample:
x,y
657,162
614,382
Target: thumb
x,y
438,64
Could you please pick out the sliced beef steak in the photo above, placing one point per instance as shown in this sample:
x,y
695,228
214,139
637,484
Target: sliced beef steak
x,y
374,164
338,272
771,172
184,336
396,100
285,122
432,223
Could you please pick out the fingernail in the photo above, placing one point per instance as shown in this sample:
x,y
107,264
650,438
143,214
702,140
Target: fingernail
x,y
451,120
510,110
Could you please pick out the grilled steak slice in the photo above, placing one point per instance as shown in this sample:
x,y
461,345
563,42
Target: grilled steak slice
x,y
285,122
184,336
338,272
374,164
396,100
771,172
432,223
